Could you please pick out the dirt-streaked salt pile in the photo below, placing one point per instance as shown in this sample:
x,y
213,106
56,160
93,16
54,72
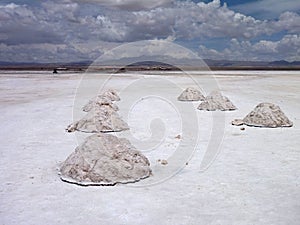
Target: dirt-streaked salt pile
x,y
107,98
99,120
265,115
216,101
191,94
104,159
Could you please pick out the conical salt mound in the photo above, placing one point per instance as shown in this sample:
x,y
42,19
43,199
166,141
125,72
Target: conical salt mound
x,y
111,94
216,101
100,102
104,159
99,120
108,97
265,115
191,94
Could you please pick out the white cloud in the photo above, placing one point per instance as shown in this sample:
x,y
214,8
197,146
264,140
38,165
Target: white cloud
x,y
149,48
62,10
214,20
129,4
12,13
46,53
75,25
9,6
268,8
288,21
287,48
181,20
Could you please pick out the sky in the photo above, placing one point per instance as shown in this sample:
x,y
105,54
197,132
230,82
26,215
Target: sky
x,y
80,30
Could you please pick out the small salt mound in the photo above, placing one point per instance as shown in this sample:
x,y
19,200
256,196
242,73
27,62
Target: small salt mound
x,y
216,101
104,159
191,94
265,115
99,120
107,97
100,102
111,94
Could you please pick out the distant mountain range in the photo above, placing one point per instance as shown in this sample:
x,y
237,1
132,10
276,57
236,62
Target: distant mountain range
x,y
228,63
160,64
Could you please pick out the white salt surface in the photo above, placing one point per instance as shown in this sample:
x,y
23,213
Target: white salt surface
x,y
254,179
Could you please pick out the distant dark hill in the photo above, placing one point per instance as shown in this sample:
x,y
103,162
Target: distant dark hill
x,y
295,63
284,63
150,65
229,63
258,65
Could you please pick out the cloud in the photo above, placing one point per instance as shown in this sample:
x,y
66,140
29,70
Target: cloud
x,y
287,48
45,53
150,48
214,20
103,28
288,21
22,25
63,10
66,21
182,20
79,27
129,4
268,8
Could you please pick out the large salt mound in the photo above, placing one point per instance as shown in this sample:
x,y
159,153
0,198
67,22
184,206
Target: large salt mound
x,y
102,119
265,115
106,98
104,159
191,94
216,101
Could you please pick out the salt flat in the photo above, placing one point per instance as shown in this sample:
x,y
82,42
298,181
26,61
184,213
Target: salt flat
x,y
253,176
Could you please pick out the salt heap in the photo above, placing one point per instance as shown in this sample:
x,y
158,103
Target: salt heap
x,y
102,115
216,101
191,94
99,120
108,97
104,159
265,115
101,102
